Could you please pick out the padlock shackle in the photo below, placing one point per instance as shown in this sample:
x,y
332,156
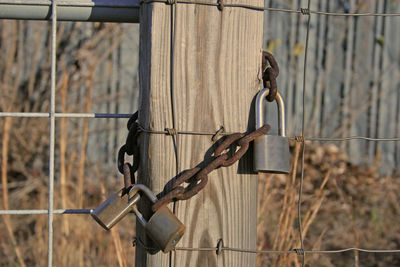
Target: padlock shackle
x,y
142,221
135,192
260,111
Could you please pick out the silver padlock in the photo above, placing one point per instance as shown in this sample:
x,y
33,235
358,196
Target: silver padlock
x,y
114,208
271,152
163,227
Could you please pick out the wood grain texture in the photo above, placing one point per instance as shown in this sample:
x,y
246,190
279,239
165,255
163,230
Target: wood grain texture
x,y
216,69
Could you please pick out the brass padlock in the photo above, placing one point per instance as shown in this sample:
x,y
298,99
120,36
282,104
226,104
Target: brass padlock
x,y
163,227
271,152
114,208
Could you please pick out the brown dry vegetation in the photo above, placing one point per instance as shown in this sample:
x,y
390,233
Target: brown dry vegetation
x,y
343,205
24,81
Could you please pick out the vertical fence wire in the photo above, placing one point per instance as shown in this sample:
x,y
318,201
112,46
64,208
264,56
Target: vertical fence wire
x,y
52,131
303,144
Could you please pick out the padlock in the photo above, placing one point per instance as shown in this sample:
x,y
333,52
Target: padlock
x,y
271,152
163,227
114,208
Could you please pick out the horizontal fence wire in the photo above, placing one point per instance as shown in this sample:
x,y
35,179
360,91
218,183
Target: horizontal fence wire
x,y
52,115
304,11
343,139
72,3
294,251
183,132
219,248
127,4
63,115
38,212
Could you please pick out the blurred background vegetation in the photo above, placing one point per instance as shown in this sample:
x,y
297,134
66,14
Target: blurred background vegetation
x,y
351,191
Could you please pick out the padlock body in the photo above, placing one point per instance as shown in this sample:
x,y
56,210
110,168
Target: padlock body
x,y
112,210
271,154
165,229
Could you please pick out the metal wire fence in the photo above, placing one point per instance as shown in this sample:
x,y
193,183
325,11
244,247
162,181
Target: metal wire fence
x,y
52,115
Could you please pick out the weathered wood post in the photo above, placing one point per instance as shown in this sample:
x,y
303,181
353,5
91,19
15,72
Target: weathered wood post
x,y
200,69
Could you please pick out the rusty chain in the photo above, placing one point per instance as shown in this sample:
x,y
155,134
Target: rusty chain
x,y
130,148
225,154
270,72
197,177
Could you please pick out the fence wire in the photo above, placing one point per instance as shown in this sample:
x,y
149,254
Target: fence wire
x,y
304,11
52,129
303,150
52,115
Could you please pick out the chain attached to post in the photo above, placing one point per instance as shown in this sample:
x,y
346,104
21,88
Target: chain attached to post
x,y
197,177
188,183
225,155
270,72
221,5
130,148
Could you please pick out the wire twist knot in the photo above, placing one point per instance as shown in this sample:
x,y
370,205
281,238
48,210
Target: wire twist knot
x,y
305,11
220,246
217,133
171,131
221,5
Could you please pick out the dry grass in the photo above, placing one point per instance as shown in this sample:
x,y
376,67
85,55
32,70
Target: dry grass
x,y
24,150
343,206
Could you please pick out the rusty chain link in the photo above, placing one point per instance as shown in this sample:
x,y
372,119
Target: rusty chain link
x,y
197,177
225,154
270,72
130,148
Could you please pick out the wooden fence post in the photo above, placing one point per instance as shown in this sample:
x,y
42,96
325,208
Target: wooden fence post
x,y
199,70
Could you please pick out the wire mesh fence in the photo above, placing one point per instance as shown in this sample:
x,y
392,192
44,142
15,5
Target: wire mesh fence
x,y
52,115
